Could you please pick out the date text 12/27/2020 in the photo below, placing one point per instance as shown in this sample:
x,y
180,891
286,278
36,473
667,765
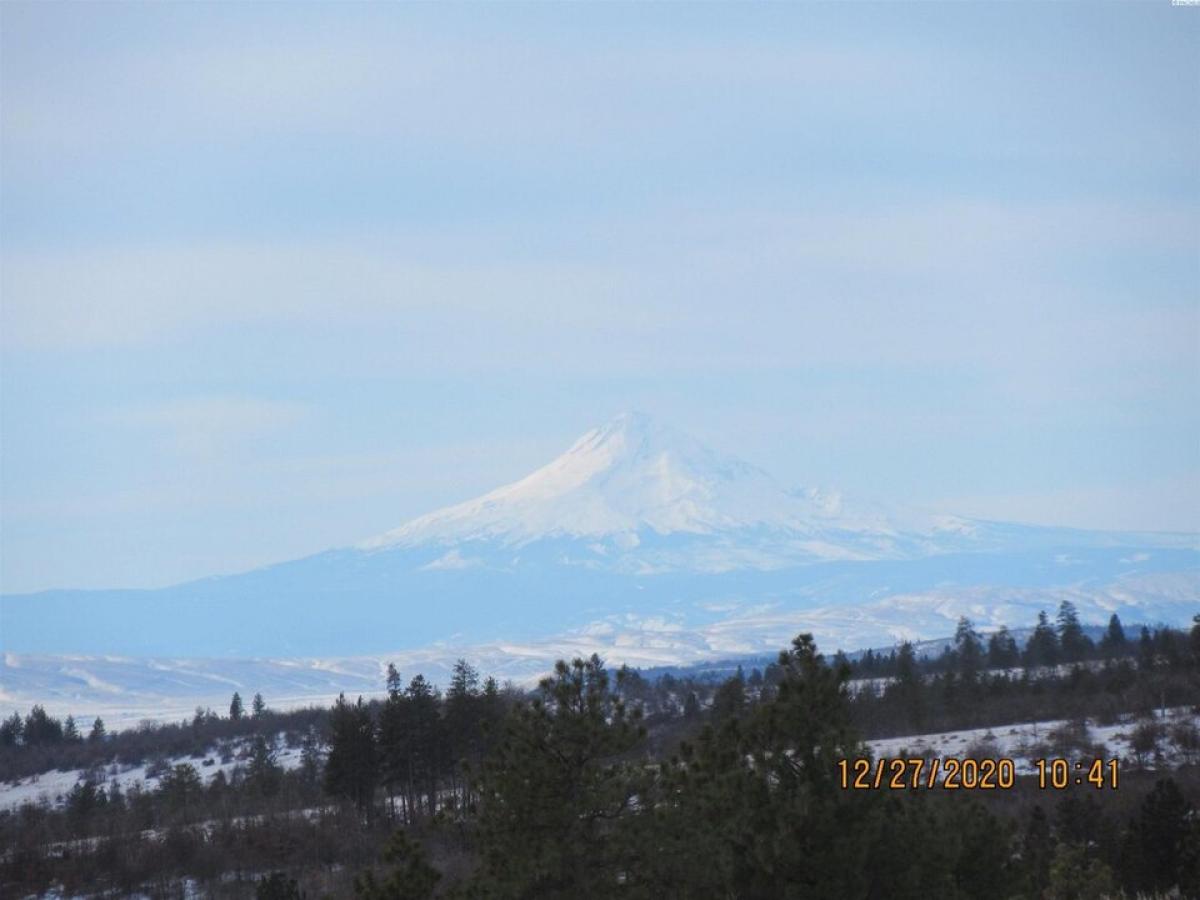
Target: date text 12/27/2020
x,y
952,773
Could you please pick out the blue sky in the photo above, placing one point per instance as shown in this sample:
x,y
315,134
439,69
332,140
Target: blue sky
x,y
277,277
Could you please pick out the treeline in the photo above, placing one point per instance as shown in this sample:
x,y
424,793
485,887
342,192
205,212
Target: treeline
x,y
1065,642
1059,674
39,742
603,784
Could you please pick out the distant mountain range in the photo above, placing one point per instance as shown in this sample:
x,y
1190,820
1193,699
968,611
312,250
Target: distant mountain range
x,y
640,541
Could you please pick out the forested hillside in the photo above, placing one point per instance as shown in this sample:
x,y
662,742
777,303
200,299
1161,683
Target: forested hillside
x,y
609,784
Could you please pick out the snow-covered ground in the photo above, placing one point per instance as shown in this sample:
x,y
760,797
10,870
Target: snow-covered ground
x,y
1022,743
52,787
1030,741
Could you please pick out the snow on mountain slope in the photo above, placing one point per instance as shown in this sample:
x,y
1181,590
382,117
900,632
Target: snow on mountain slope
x,y
629,475
638,497
635,479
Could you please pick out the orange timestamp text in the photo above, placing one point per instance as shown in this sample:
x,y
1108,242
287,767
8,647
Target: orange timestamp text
x,y
953,773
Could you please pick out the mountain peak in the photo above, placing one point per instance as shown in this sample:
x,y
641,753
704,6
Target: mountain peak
x,y
624,487
632,474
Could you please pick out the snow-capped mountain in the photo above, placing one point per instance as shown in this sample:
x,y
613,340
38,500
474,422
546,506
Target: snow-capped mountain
x,y
633,476
643,536
637,496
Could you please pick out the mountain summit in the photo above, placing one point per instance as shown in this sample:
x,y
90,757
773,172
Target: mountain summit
x,y
636,483
631,475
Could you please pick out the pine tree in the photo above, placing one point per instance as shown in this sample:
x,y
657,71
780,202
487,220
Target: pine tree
x,y
393,758
235,707
263,773
84,799
749,810
729,701
116,798
1073,875
98,732
412,877
1075,645
1166,842
1036,850
969,649
464,682
181,787
258,706
1113,643
1147,658
312,758
41,729
553,795
1042,647
11,730
71,731
907,688
462,724
1002,650
352,767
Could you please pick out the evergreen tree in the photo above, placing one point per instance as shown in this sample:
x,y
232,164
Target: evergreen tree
x,y
277,886
1073,875
730,699
906,691
1037,850
1166,847
394,769
41,729
352,767
462,725
969,649
71,731
263,774
1147,658
181,787
906,665
1113,643
11,730
553,794
394,685
235,707
412,877
98,732
312,758
258,706
464,682
748,811
84,799
1002,650
422,745
116,798
1042,647
1075,645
